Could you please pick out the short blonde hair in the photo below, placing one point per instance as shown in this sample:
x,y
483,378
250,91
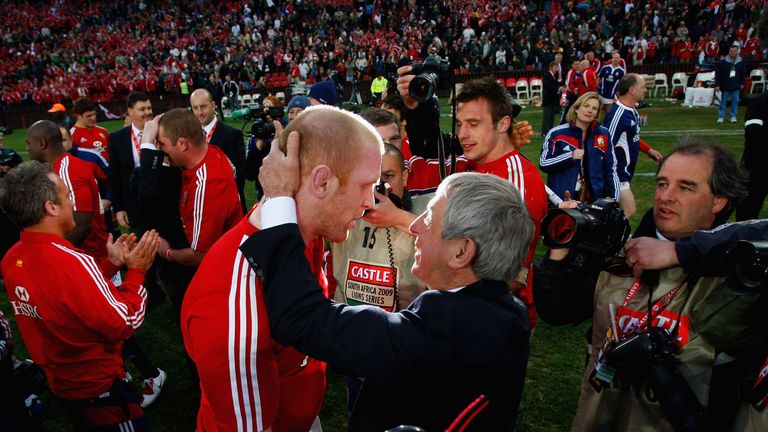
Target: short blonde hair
x,y
571,117
331,136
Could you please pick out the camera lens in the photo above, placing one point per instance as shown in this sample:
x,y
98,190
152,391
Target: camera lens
x,y
422,87
562,229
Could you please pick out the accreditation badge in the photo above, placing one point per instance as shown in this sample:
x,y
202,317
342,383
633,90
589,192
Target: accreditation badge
x,y
370,284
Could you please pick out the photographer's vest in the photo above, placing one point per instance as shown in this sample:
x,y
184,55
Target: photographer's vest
x,y
364,271
633,407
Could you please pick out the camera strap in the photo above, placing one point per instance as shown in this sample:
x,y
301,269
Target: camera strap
x,y
657,307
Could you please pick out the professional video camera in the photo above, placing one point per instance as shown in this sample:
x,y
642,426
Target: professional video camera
x,y
749,265
651,355
428,73
262,117
598,228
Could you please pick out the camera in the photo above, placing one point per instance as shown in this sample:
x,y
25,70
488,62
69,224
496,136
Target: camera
x,y
651,355
748,262
262,127
598,228
428,73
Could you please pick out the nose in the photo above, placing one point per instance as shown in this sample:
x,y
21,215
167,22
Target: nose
x,y
666,195
369,200
417,225
461,132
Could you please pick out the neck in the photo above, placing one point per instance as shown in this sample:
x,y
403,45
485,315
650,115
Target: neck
x,y
81,125
458,279
581,124
210,121
627,101
197,154
503,147
46,226
139,125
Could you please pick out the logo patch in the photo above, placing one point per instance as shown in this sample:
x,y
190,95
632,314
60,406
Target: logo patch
x,y
22,293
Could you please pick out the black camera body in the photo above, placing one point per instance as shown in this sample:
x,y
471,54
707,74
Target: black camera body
x,y
599,228
429,73
262,127
651,355
748,261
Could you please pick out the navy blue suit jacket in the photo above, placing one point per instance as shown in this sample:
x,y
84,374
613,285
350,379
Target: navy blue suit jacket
x,y
422,366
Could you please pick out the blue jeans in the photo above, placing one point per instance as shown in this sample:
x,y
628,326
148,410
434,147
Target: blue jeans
x,y
734,96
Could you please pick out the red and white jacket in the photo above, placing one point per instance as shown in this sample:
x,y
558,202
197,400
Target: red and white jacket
x,y
73,320
248,381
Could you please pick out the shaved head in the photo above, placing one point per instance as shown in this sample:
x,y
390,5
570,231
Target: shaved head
x,y
45,130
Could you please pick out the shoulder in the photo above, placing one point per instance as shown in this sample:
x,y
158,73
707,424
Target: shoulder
x,y
120,133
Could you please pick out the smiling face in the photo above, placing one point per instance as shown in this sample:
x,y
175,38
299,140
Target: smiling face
x,y
683,201
203,107
478,135
587,112
140,113
432,252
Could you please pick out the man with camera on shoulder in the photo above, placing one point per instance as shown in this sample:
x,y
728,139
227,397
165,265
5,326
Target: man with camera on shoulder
x,y
682,371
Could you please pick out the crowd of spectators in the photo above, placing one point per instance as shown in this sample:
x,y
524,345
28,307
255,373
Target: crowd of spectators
x,y
54,51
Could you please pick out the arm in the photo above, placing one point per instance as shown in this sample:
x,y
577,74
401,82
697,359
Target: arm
x,y
387,345
704,252
653,154
555,155
564,289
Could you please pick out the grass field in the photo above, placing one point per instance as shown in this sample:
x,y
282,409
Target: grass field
x,y
557,354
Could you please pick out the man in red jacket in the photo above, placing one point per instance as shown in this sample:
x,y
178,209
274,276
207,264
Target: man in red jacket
x,y
72,318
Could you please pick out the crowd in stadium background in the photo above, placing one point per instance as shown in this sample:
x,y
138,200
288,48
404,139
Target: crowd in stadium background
x,y
57,51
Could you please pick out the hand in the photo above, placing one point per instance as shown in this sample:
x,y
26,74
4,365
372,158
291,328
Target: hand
x,y
151,128
143,254
385,214
122,219
650,253
578,154
280,174
655,155
106,204
278,128
402,86
522,132
116,250
568,203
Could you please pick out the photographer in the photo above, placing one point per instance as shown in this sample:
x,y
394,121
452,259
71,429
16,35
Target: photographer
x,y
697,187
489,139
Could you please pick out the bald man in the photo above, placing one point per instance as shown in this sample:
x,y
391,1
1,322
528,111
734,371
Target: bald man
x,y
248,380
218,133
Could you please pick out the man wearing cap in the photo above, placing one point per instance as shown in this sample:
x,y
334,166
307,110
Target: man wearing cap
x,y
218,133
730,74
323,93
296,105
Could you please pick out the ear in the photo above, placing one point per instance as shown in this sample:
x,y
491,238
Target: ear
x,y
719,203
51,208
504,124
183,143
463,251
322,182
405,178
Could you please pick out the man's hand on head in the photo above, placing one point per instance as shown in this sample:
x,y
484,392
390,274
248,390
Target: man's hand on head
x,y
403,82
280,173
522,132
151,128
650,253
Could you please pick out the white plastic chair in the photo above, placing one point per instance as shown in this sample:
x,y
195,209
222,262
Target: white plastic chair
x,y
281,96
679,79
522,88
758,80
661,84
246,100
537,88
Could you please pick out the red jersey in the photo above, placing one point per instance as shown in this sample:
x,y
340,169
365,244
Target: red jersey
x,y
424,174
248,381
96,138
519,171
209,204
73,319
79,178
587,83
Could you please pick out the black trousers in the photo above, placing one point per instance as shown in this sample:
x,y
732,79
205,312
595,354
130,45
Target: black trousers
x,y
757,190
548,119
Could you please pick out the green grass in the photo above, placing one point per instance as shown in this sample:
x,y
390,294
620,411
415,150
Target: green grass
x,y
557,353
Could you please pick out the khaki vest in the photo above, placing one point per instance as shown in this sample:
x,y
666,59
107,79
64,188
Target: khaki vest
x,y
363,270
615,409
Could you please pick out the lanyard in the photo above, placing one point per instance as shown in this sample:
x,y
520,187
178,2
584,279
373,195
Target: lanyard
x,y
136,140
210,134
662,303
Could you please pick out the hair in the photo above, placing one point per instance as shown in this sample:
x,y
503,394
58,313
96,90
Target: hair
x,y
493,92
551,65
389,149
395,101
379,117
134,97
727,179
273,99
571,116
182,123
490,211
627,82
48,131
25,190
83,105
320,128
